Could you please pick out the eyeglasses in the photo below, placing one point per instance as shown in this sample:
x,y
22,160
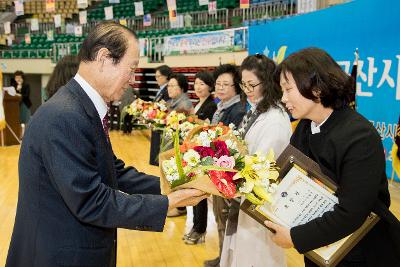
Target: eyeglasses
x,y
222,86
248,87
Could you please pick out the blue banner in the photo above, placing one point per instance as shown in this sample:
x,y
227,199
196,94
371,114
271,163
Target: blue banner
x,y
371,26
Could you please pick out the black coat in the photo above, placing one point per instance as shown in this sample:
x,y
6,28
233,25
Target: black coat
x,y
73,192
25,92
349,151
207,109
233,114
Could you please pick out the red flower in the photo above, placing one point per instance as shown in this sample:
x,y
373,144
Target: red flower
x,y
152,114
220,149
231,174
223,182
204,151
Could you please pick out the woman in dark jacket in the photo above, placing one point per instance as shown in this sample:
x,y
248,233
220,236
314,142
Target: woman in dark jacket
x,y
203,86
349,151
24,90
229,110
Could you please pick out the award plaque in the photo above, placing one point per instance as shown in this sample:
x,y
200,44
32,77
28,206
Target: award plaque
x,y
303,194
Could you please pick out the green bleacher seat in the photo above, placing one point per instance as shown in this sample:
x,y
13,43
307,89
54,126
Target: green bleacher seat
x,y
33,54
7,54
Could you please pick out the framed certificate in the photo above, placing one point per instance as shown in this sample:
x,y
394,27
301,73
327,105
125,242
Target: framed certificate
x,y
303,194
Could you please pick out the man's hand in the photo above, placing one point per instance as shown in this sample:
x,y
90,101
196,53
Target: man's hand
x,y
282,235
185,197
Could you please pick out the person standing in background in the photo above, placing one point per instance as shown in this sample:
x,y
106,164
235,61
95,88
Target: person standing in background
x,y
23,90
162,75
229,110
203,87
65,69
177,88
205,109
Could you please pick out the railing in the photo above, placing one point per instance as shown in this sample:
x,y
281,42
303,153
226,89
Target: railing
x,y
62,49
265,10
154,50
26,53
160,21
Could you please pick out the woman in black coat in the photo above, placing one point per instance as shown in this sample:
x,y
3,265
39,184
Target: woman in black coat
x,y
23,89
349,151
203,86
205,108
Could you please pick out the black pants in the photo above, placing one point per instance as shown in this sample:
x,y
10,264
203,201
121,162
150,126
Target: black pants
x,y
200,216
126,126
154,147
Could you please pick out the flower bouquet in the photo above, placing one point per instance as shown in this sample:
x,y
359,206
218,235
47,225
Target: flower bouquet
x,y
137,107
156,114
214,159
178,121
258,177
148,113
207,160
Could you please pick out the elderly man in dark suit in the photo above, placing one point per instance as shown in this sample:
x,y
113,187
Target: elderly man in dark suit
x,y
73,192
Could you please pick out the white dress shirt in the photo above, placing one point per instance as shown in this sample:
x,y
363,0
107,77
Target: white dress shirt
x,y
317,128
98,101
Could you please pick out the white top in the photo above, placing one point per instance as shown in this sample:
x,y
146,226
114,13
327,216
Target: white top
x,y
272,129
98,101
252,246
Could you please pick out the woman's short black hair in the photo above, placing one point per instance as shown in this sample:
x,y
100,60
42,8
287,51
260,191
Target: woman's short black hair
x,y
318,77
110,35
207,78
65,70
19,73
164,70
182,81
231,69
264,69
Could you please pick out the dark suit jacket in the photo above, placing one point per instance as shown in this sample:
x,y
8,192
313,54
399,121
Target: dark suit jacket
x,y
163,95
234,114
349,151
73,191
207,109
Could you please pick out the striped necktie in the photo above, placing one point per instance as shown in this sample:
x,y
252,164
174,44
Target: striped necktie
x,y
106,124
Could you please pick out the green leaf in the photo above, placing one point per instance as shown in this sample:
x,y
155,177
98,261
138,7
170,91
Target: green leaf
x,y
178,157
212,168
207,161
232,151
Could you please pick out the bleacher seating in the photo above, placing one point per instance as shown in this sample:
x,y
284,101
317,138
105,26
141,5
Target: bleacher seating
x,y
229,15
40,47
124,9
177,31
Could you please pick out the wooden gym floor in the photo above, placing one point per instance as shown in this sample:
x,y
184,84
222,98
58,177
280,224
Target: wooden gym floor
x,y
135,248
